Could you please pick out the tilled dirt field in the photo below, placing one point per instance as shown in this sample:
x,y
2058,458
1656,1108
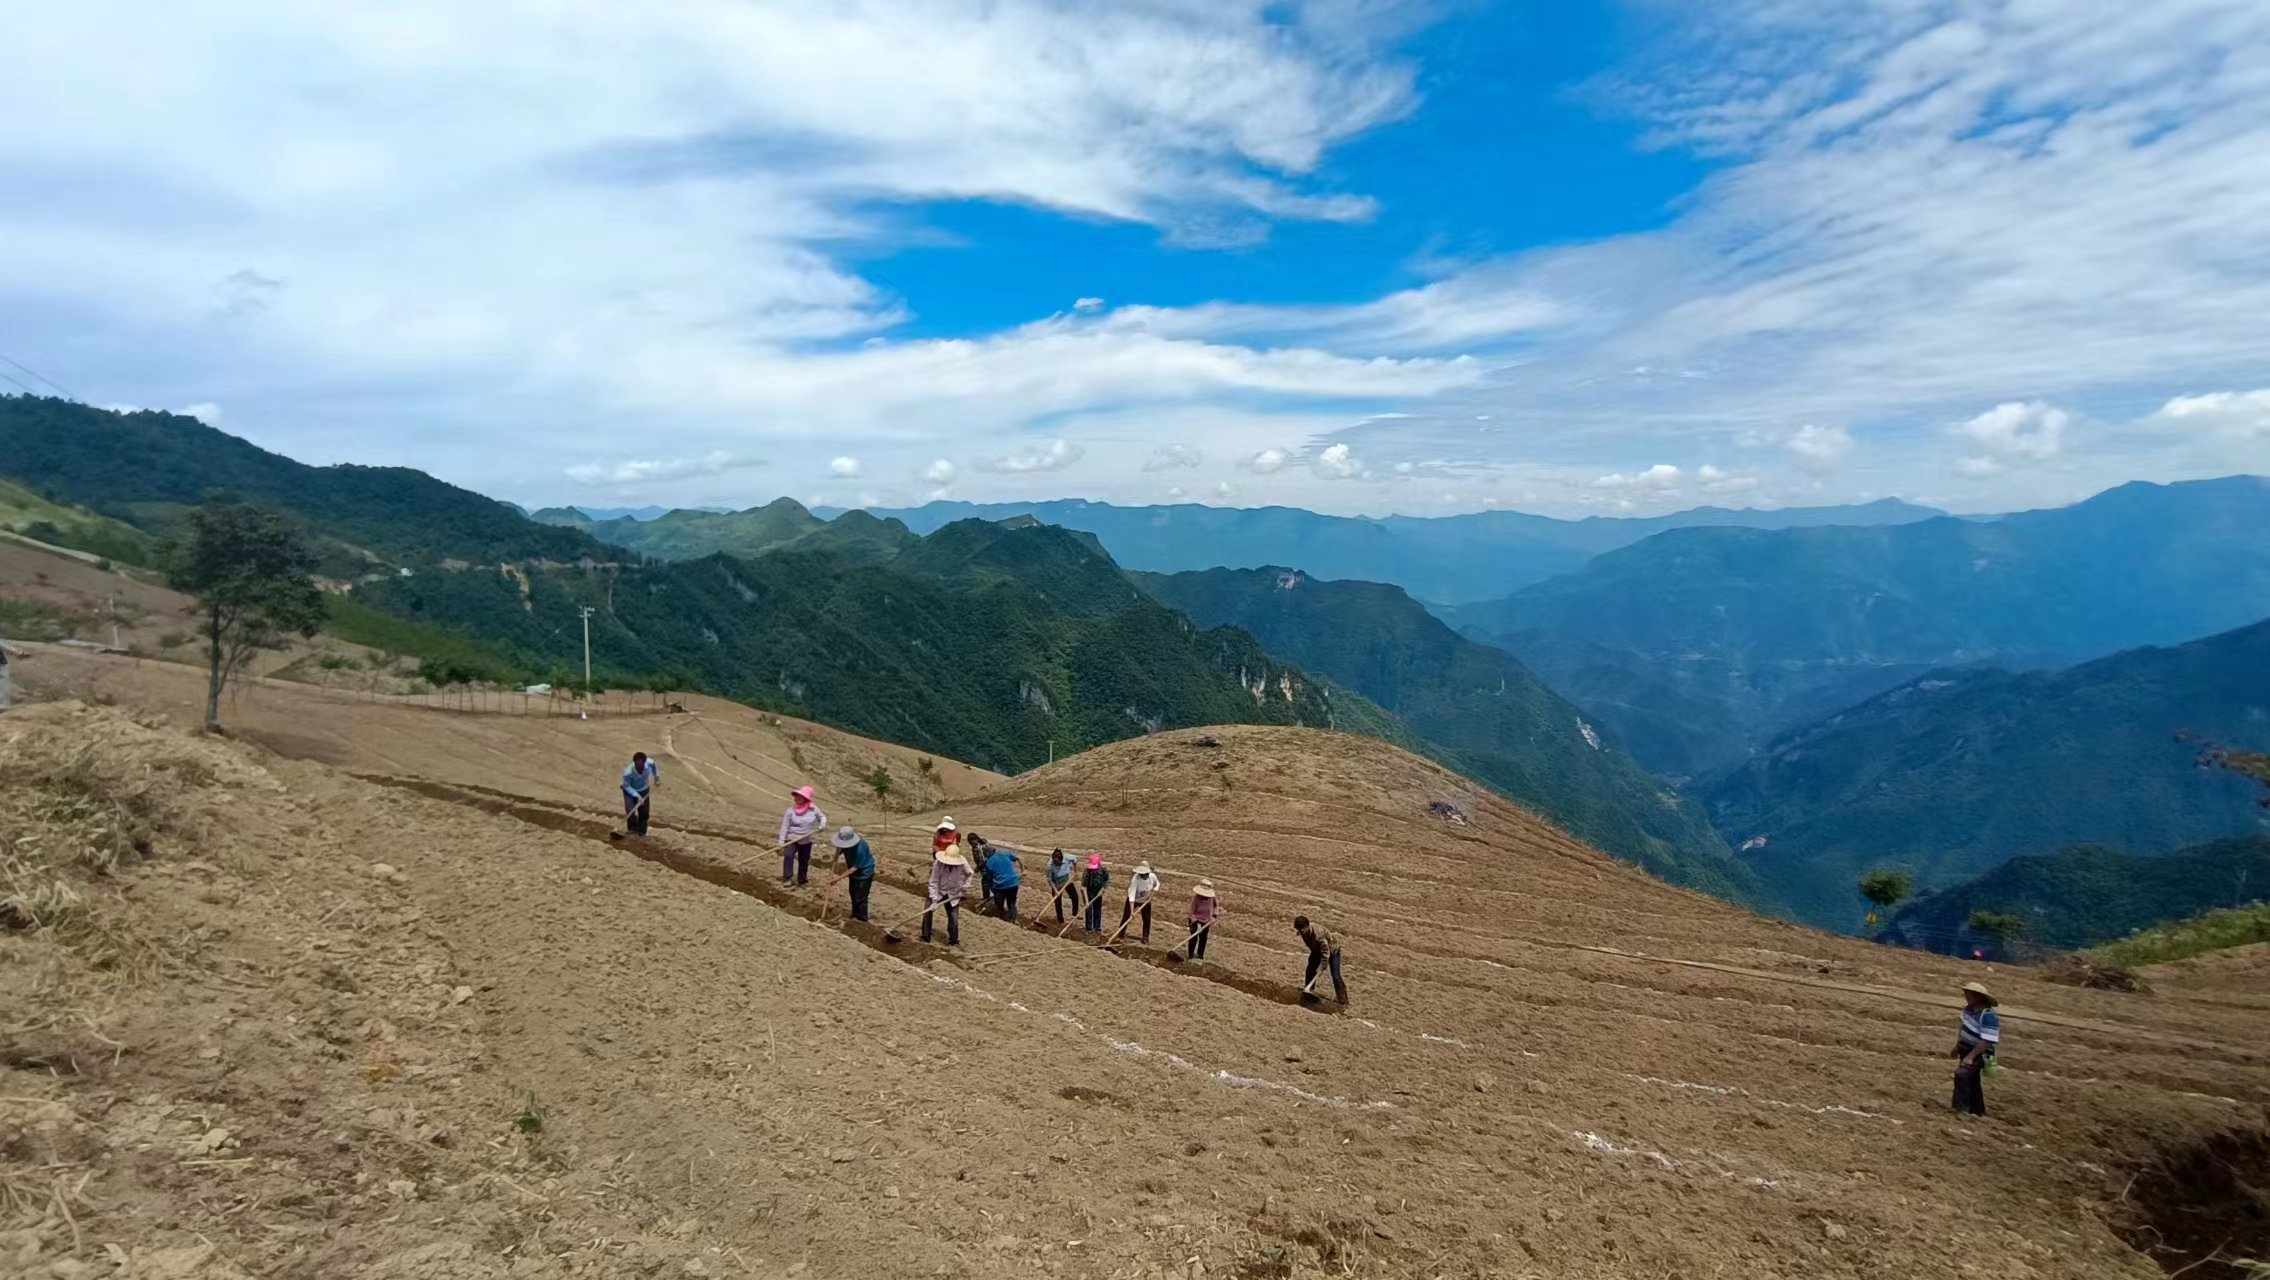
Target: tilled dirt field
x,y
445,1026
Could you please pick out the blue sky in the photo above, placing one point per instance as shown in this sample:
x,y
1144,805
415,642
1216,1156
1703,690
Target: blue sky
x,y
1572,257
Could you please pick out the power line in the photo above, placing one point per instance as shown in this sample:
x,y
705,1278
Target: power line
x,y
26,390
37,375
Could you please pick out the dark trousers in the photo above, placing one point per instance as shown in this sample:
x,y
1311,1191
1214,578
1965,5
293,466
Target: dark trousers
x,y
953,922
985,895
1315,961
1005,901
636,811
796,862
1095,913
1127,911
1200,935
1970,1092
859,887
1070,896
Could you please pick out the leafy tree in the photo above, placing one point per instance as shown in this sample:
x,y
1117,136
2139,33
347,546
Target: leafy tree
x,y
249,570
1887,888
2005,927
880,782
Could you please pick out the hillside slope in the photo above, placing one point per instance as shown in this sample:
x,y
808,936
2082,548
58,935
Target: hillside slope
x,y
1754,631
1954,774
146,467
418,1029
1497,721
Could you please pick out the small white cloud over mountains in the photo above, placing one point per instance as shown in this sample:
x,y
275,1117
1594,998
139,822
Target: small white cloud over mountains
x,y
1056,455
1660,478
1169,457
648,470
2017,431
2241,414
845,468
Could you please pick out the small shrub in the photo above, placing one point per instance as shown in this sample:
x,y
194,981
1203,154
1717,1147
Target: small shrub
x,y
172,640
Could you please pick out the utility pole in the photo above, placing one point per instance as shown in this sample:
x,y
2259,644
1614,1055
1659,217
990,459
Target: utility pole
x,y
114,620
587,612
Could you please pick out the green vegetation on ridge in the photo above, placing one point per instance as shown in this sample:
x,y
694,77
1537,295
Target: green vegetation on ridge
x,y
2087,895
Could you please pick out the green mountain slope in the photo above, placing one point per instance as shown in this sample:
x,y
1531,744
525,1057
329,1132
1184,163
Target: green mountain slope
x,y
1755,631
34,516
1954,774
985,670
2087,894
1485,712
145,468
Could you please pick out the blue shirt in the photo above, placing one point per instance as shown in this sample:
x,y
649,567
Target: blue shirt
x,y
1002,866
1060,873
636,780
861,858
1983,1027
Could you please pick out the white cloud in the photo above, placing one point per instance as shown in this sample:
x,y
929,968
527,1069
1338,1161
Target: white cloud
x,y
1056,455
1087,305
1224,490
1819,449
1711,479
2011,432
1268,462
1337,462
1660,478
2240,415
844,468
650,470
938,474
1168,457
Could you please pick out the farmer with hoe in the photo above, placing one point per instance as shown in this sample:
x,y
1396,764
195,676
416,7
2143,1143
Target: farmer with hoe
x,y
1004,874
978,851
859,860
1205,910
638,793
1093,881
1140,887
1975,1047
1323,949
799,822
949,880
1060,884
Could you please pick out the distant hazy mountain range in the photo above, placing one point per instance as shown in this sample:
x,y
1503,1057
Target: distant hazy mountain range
x,y
1446,559
1956,773
1699,644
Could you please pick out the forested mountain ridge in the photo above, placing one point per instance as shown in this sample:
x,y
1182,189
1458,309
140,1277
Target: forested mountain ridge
x,y
2087,894
982,669
1497,721
146,468
1955,773
1760,631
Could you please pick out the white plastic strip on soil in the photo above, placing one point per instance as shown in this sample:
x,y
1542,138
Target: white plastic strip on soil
x,y
1595,1143
1219,1076
1728,1090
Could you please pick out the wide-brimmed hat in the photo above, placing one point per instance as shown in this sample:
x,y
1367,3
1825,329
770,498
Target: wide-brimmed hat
x,y
1205,889
1979,989
845,837
947,824
1095,862
802,793
1142,868
951,856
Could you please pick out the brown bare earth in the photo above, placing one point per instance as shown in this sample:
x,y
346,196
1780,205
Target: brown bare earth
x,y
367,989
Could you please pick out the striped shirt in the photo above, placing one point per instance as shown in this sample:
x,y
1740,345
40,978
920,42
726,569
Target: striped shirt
x,y
1982,1026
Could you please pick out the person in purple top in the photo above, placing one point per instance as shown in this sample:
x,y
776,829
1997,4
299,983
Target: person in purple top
x,y
949,880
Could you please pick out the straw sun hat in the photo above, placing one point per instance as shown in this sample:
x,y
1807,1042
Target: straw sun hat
x,y
1979,989
1205,889
952,857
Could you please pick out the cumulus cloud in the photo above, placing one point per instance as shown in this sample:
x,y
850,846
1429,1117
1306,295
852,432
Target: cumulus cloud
x,y
1819,449
1086,306
1268,462
1337,462
649,470
1056,455
938,474
2013,432
1660,478
1169,457
2243,415
1711,479
844,468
